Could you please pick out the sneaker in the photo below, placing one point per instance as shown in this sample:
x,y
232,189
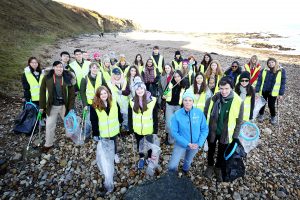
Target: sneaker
x,y
218,174
117,159
209,172
46,149
260,118
141,163
273,120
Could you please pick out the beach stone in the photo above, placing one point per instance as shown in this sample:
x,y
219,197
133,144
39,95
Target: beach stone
x,y
236,196
123,190
63,163
17,156
280,194
43,162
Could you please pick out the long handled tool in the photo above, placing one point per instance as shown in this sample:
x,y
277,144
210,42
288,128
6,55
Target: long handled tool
x,y
278,113
167,90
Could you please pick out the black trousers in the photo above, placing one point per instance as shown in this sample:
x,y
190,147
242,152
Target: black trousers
x,y
139,138
220,156
271,104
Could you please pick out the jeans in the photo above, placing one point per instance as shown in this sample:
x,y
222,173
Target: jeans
x,y
170,110
178,152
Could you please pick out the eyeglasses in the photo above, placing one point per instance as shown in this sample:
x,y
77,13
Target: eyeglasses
x,y
234,66
245,80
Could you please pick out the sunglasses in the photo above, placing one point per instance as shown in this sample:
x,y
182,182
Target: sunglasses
x,y
234,66
245,80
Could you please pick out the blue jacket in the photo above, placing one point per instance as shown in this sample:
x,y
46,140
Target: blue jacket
x,y
270,82
189,127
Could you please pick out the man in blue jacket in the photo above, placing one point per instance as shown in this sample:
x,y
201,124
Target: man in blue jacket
x,y
189,129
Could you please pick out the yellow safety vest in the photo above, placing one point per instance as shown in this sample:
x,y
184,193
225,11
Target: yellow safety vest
x,y
176,65
34,84
108,124
200,101
169,94
90,89
106,74
256,70
159,64
233,114
125,71
143,122
276,88
201,69
247,108
80,72
217,84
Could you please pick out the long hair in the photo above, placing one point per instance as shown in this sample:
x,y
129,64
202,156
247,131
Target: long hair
x,y
185,71
183,83
203,84
164,70
136,61
251,64
128,74
249,89
203,62
209,71
39,65
146,65
98,103
136,101
276,67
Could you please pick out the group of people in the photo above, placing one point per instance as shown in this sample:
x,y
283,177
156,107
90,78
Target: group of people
x,y
199,102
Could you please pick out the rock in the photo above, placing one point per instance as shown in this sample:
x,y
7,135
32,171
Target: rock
x,y
63,163
280,194
43,162
123,190
236,196
267,131
17,156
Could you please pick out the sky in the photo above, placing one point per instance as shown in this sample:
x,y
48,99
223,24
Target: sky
x,y
202,16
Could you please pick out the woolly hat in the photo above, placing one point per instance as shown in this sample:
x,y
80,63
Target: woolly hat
x,y
185,61
244,74
188,93
96,54
106,59
177,53
138,83
116,71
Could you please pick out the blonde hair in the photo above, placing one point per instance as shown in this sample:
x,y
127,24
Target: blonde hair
x,y
219,71
252,64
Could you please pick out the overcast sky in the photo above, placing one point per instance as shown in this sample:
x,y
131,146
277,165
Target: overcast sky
x,y
202,16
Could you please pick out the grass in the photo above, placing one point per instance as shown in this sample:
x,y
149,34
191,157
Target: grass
x,y
29,24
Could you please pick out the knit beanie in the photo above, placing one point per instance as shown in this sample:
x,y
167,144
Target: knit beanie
x,y
96,54
177,53
138,83
188,93
244,74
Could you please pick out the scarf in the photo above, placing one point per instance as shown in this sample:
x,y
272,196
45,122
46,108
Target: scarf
x,y
218,103
243,93
149,74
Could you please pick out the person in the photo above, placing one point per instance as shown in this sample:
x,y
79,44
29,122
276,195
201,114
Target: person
x,y
177,62
113,58
142,117
254,68
234,71
271,85
224,113
65,59
117,86
123,66
131,78
189,136
173,96
59,100
151,77
86,55
106,69
192,62
186,72
247,94
105,119
206,61
157,59
166,77
198,68
79,67
200,91
31,81
106,125
97,58
138,62
213,75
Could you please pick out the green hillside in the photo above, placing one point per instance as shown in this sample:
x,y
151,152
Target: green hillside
x,y
28,24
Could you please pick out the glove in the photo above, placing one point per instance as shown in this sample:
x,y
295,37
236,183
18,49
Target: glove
x,y
96,138
39,116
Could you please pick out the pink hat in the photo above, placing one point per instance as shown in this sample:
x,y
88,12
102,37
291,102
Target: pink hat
x,y
96,54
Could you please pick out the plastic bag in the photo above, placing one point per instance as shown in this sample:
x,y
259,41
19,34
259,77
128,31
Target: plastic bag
x,y
25,121
259,103
151,142
105,160
73,129
249,136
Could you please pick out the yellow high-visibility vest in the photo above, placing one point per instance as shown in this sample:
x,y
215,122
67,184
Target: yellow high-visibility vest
x,y
201,69
34,84
217,84
276,88
90,89
109,125
80,72
106,74
169,94
143,122
233,114
200,101
247,108
159,64
177,66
